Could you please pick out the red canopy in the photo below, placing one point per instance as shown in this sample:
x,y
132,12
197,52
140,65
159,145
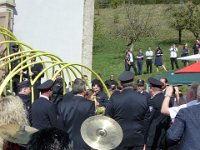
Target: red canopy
x,y
194,68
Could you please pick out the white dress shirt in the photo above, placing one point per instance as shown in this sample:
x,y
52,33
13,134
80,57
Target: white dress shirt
x,y
149,54
173,52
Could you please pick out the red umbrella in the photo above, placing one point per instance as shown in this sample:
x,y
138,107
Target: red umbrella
x,y
194,68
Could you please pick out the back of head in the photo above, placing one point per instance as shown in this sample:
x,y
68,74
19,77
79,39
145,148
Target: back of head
x,y
194,90
49,139
12,111
78,86
126,78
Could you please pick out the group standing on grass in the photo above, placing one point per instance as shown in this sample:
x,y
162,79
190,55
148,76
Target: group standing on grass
x,y
136,61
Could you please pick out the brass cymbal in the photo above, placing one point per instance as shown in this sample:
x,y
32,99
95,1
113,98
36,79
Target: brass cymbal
x,y
16,134
101,132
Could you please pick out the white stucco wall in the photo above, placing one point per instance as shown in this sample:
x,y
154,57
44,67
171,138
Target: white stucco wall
x,y
55,26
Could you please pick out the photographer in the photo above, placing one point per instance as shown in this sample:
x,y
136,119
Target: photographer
x,y
191,100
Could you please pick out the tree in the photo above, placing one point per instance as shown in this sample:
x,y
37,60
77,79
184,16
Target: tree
x,y
178,18
193,24
185,16
138,24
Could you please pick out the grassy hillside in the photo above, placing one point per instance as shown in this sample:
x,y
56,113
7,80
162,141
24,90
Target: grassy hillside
x,y
108,51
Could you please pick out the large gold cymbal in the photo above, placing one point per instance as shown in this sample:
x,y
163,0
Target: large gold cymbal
x,y
16,134
101,132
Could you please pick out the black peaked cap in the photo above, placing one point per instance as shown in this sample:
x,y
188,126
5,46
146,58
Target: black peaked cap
x,y
46,85
126,76
155,83
24,84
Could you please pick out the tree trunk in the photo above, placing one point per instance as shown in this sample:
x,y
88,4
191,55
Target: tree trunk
x,y
180,36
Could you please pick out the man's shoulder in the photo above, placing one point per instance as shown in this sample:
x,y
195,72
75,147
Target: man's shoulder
x,y
192,108
132,94
159,96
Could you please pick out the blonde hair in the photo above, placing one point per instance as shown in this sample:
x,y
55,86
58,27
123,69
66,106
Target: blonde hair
x,y
12,112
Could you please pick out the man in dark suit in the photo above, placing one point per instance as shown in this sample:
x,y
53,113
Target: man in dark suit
x,y
157,123
35,70
43,111
24,94
129,109
185,129
74,111
130,61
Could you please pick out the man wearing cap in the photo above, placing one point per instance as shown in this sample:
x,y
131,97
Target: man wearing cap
x,y
43,111
24,94
73,112
157,123
140,89
129,109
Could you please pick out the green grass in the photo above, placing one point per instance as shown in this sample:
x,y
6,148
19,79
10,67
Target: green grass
x,y
108,51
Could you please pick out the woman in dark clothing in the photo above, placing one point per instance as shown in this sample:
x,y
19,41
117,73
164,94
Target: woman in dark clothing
x,y
185,52
158,59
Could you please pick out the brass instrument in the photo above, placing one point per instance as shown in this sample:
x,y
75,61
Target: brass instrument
x,y
100,110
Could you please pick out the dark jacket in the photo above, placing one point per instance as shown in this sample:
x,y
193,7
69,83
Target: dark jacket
x,y
26,99
157,124
73,112
36,69
186,129
44,114
102,98
129,108
57,91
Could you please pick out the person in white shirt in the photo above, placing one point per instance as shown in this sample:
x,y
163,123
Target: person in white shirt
x,y
173,56
191,98
149,56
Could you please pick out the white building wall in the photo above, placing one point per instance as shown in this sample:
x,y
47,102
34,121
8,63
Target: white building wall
x,y
55,26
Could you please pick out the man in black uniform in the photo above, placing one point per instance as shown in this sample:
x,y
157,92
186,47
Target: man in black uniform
x,y
43,111
35,70
24,94
140,89
16,78
74,111
129,109
58,89
157,124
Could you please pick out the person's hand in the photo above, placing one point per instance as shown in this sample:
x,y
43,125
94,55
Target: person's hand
x,y
31,74
144,148
97,104
169,90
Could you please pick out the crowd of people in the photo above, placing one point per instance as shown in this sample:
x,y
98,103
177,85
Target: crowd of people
x,y
157,118
156,58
